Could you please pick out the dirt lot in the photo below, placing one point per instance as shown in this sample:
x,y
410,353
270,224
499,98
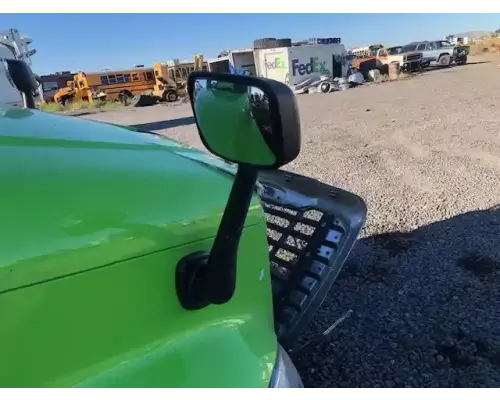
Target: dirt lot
x,y
424,153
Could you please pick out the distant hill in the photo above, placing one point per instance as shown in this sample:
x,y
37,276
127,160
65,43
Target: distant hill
x,y
473,34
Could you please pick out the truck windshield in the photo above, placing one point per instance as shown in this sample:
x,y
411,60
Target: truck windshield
x,y
411,47
374,49
395,50
443,43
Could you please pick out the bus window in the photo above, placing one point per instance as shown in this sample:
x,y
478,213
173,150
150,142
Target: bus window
x,y
104,80
126,77
149,76
112,79
135,77
119,79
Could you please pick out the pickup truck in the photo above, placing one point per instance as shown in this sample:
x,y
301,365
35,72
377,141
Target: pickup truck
x,y
440,53
381,58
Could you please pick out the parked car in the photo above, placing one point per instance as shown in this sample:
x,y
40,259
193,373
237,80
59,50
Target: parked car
x,y
439,53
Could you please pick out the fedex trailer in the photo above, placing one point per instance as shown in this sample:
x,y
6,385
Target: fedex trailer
x,y
295,64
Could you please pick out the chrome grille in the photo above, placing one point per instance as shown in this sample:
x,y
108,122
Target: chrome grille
x,y
413,57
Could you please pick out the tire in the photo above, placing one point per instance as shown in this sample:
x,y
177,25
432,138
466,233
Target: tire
x,y
324,87
125,96
142,100
149,100
266,43
271,43
65,101
284,42
134,102
444,60
462,60
170,96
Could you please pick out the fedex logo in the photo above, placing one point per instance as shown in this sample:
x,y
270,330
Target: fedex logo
x,y
275,64
314,65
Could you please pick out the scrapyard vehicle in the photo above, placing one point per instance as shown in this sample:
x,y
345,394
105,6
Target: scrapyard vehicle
x,y
137,86
408,60
382,57
440,53
78,90
158,265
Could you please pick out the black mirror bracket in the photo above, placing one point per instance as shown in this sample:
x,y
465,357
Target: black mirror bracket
x,y
210,278
23,79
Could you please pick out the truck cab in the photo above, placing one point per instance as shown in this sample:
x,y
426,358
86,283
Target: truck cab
x,y
380,59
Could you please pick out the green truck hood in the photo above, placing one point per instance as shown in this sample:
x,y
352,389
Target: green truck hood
x,y
94,219
97,194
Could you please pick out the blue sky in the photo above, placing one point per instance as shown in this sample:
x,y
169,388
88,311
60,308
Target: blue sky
x,y
92,42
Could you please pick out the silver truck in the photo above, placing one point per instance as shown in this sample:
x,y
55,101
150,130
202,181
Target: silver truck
x,y
439,53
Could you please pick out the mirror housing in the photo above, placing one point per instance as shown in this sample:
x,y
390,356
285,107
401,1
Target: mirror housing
x,y
23,78
283,131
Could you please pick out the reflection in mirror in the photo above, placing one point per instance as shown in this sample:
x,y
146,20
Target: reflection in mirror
x,y
235,121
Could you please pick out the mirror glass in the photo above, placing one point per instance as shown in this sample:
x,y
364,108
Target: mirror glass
x,y
235,121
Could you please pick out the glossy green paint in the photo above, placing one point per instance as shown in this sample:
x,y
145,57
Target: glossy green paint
x,y
94,219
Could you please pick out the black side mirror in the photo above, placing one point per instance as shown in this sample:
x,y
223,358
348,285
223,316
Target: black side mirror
x,y
254,123
246,120
23,78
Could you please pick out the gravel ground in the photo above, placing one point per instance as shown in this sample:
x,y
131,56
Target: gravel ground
x,y
423,280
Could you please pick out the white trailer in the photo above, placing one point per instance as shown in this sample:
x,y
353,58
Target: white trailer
x,y
12,45
295,64
241,60
290,65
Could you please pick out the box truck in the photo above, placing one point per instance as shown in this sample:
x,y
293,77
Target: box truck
x,y
295,64
290,64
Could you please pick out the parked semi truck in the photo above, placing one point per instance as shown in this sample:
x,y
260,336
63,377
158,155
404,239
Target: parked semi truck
x,y
12,45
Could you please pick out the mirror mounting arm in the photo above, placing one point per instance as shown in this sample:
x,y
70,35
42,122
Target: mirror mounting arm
x,y
223,256
28,100
203,279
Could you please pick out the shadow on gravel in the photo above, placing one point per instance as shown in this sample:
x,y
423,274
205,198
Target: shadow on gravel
x,y
478,62
79,113
426,310
172,123
453,66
